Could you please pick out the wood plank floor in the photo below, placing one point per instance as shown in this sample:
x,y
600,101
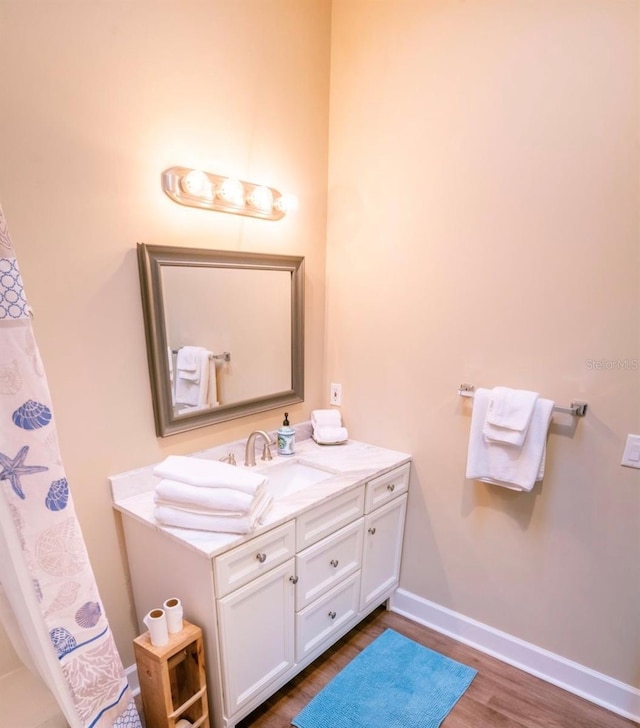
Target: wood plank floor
x,y
500,696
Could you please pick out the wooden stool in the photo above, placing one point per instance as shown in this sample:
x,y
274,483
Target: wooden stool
x,y
172,679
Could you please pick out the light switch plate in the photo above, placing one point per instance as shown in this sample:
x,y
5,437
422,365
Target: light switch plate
x,y
631,455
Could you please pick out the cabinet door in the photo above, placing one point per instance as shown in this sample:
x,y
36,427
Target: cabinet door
x,y
383,534
256,635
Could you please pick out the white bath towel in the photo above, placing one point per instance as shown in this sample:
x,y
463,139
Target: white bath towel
x,y
204,521
231,500
326,417
209,473
508,415
330,435
517,468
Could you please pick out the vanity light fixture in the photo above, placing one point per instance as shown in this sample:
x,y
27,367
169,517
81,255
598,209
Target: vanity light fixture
x,y
195,188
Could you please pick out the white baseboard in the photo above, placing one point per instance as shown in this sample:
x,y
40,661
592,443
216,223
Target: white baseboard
x,y
596,687
131,673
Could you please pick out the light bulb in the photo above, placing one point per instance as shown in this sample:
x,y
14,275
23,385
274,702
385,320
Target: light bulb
x,y
286,203
261,198
232,191
195,183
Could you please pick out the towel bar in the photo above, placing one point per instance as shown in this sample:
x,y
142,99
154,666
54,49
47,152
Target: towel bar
x,y
577,409
226,355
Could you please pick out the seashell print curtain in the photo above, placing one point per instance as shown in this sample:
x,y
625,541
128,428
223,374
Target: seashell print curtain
x,y
44,565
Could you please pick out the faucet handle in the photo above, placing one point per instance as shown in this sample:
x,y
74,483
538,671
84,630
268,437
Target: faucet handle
x,y
230,458
266,452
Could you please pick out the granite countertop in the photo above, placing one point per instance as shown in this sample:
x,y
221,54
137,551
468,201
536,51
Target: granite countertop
x,y
350,464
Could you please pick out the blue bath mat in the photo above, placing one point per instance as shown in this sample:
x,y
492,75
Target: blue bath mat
x,y
392,683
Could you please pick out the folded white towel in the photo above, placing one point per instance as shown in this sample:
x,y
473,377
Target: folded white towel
x,y
330,435
326,417
208,473
192,385
502,464
173,492
508,415
188,363
203,521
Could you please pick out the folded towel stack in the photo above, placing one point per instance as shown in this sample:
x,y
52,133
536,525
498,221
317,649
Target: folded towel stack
x,y
327,427
507,441
209,495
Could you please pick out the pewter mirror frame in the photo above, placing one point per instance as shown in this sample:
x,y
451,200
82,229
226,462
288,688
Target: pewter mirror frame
x,y
151,259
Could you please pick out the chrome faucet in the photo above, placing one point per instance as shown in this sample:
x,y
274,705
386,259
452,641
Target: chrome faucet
x,y
250,451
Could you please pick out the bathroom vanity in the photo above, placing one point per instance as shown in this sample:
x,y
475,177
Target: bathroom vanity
x,y
270,602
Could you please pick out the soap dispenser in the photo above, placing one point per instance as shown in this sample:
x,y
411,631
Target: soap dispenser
x,y
286,437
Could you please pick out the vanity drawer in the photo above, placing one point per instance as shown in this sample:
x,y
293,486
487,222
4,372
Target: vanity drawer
x,y
326,563
332,613
244,563
323,520
386,487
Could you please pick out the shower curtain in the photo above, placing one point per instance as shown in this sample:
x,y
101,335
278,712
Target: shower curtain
x,y
45,572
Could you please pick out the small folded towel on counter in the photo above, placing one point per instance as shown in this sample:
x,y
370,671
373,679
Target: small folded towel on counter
x,y
509,414
203,520
172,492
327,427
330,435
208,473
503,464
326,417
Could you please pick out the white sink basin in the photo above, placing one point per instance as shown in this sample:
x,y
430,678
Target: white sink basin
x,y
293,476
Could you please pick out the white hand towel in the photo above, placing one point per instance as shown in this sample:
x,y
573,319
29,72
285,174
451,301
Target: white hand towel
x,y
209,473
503,464
188,363
326,417
192,385
172,492
330,435
508,415
202,521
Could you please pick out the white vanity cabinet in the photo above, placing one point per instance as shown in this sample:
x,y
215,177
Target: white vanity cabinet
x,y
271,604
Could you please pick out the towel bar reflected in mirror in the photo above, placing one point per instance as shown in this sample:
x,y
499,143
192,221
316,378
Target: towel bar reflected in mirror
x,y
577,409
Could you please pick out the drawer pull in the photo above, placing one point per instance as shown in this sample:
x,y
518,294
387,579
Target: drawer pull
x,y
372,530
261,558
294,579
332,615
391,487
334,563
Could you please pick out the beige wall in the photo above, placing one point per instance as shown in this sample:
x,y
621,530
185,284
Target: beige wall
x,y
97,99
483,228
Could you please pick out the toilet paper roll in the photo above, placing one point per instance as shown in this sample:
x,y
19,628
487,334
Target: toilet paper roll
x,y
156,622
173,610
183,723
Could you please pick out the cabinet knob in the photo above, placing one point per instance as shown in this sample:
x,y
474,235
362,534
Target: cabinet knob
x,y
293,579
261,558
372,530
334,563
332,615
391,487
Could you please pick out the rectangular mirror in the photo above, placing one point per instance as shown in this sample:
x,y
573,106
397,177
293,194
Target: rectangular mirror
x,y
224,331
